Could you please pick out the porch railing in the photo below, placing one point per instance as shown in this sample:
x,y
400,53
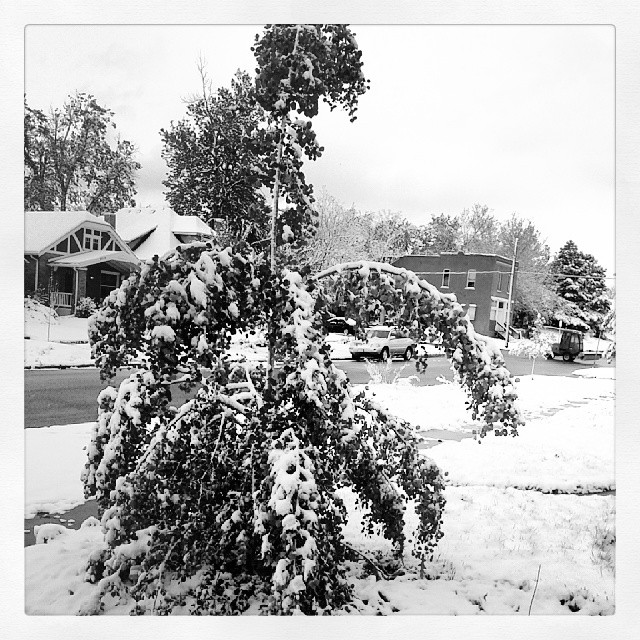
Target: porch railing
x,y
61,299
502,330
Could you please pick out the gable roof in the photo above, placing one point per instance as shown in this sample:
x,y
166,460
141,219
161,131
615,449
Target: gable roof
x,y
42,229
157,229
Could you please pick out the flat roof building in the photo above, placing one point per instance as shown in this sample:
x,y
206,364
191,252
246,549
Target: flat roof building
x,y
479,281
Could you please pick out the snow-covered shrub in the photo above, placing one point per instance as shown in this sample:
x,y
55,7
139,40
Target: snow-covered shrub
x,y
39,312
383,372
235,491
49,531
40,295
85,307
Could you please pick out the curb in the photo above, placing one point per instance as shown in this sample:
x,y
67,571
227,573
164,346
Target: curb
x,y
59,366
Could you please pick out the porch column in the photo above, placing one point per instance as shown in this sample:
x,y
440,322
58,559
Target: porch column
x,y
75,288
81,283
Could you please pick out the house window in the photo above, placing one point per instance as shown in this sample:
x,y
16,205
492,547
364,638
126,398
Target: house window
x,y
471,279
471,313
91,239
499,280
445,277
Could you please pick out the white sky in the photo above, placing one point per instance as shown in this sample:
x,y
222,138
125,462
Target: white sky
x,y
520,118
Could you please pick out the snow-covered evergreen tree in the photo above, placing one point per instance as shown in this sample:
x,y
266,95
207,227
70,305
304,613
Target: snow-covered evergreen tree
x,y
580,280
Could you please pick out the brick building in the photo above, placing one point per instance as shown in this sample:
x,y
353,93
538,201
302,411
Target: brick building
x,y
479,281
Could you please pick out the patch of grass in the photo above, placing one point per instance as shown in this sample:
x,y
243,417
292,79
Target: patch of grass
x,y
603,549
382,372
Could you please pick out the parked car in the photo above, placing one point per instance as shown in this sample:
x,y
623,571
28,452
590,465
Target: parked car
x,y
340,324
573,344
383,343
570,346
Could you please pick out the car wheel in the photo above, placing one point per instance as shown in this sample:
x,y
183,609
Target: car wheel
x,y
567,357
408,354
355,357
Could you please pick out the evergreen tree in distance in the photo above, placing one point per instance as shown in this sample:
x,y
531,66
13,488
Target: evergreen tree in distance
x,y
580,280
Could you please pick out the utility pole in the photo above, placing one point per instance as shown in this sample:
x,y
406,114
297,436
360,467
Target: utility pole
x,y
513,270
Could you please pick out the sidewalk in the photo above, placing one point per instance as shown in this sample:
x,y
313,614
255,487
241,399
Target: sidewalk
x,y
71,519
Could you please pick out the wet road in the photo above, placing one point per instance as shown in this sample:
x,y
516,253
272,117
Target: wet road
x,y
68,396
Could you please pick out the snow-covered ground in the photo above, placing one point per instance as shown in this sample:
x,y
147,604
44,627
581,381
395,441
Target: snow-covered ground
x,y
52,482
529,521
52,340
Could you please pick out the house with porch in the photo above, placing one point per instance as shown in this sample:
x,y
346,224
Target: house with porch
x,y
480,282
73,254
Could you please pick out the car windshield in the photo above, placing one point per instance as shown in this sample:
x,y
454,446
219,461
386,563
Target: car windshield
x,y
377,333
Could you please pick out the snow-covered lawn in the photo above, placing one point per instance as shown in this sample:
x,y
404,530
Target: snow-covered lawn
x,y
52,340
41,353
54,459
510,542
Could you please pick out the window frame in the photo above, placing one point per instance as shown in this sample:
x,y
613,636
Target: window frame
x,y
472,307
471,284
446,274
93,237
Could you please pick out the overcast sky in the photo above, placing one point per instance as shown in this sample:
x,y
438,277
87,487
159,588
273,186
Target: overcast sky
x,y
520,118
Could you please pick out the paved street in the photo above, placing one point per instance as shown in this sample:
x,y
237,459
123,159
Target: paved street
x,y
67,396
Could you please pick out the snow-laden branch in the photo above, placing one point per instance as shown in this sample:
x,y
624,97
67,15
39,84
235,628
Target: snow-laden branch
x,y
366,266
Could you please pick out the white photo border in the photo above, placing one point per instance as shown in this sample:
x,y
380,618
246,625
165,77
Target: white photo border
x,y
623,16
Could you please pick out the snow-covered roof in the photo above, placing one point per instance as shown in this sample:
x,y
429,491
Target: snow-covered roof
x,y
94,257
190,225
162,226
42,229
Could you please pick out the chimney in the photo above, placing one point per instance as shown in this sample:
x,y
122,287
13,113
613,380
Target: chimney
x,y
110,218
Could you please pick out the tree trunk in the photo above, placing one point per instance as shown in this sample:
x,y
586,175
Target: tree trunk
x,y
274,216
